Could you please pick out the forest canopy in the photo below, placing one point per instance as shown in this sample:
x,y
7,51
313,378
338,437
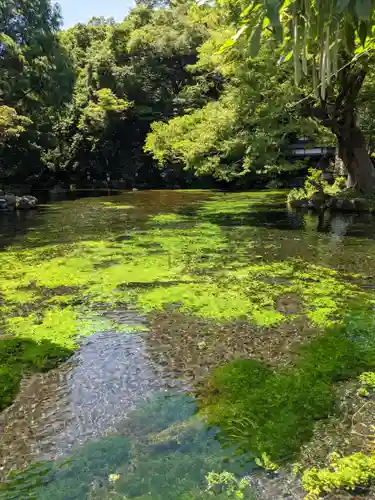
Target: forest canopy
x,y
184,89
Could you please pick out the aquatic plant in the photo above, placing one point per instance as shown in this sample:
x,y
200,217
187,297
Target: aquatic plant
x,y
201,261
346,473
226,482
367,384
273,411
162,455
19,356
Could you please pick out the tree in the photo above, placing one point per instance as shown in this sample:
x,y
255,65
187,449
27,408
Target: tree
x,y
139,66
331,44
11,123
247,124
35,81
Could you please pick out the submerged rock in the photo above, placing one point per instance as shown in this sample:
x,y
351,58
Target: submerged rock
x,y
3,203
11,202
276,486
320,202
26,203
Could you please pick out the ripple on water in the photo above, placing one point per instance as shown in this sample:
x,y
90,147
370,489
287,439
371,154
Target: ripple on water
x,y
86,398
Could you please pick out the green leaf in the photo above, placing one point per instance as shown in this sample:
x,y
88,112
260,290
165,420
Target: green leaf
x,y
289,56
226,45
255,40
364,9
342,5
349,37
362,32
272,11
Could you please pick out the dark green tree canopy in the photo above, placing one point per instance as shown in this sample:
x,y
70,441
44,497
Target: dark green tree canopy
x,y
216,89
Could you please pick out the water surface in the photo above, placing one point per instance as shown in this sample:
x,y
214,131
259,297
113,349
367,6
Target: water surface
x,y
145,293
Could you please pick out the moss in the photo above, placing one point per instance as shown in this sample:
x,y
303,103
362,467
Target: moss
x,y
189,260
273,411
346,473
19,356
166,218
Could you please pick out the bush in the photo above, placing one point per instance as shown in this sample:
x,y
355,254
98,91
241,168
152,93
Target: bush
x,y
315,183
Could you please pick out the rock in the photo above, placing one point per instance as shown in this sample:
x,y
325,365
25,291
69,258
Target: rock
x,y
26,203
345,205
331,203
11,199
302,203
316,203
3,203
361,205
280,486
58,189
348,204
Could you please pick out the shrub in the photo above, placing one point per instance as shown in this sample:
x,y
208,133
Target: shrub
x,y
315,183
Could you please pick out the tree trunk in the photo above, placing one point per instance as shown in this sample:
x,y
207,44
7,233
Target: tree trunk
x,y
353,152
339,115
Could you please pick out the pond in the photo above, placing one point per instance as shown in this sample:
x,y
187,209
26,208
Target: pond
x,y
179,344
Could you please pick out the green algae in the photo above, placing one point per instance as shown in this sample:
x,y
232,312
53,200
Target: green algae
x,y
273,411
202,260
20,356
203,280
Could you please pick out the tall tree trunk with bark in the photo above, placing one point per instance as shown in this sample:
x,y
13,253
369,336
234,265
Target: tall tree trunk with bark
x,y
339,115
354,154
351,141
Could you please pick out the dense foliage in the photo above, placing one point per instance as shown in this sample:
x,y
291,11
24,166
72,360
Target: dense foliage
x,y
78,105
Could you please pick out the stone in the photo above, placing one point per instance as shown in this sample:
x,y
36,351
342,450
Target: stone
x,y
317,202
58,189
3,203
11,199
345,205
302,203
361,205
289,304
32,200
348,204
331,203
26,203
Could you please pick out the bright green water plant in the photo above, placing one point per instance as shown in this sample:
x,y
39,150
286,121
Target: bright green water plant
x,y
203,260
346,473
273,411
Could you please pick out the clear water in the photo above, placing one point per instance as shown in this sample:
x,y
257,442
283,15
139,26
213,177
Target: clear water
x,y
119,418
